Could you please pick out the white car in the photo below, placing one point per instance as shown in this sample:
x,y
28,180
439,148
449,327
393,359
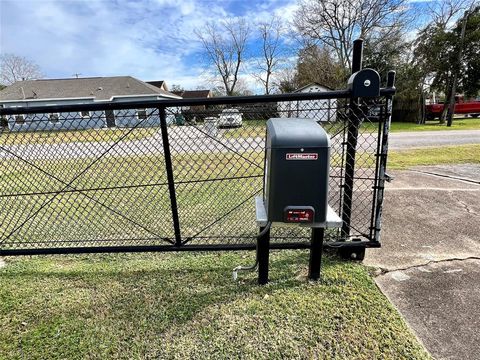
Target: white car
x,y
230,118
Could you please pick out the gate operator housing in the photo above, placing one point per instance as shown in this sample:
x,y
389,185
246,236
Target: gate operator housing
x,y
296,171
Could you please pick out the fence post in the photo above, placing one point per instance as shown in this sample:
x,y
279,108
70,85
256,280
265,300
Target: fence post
x,y
170,179
382,176
352,136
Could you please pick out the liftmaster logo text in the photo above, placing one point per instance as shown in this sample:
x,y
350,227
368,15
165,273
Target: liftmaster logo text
x,y
302,156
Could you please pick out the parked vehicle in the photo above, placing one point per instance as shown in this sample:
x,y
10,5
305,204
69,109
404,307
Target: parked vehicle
x,y
471,107
230,118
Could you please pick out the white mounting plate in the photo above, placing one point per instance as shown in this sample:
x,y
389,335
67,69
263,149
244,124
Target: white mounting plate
x,y
333,220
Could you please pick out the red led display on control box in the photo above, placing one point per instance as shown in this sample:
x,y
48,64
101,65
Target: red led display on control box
x,y
298,214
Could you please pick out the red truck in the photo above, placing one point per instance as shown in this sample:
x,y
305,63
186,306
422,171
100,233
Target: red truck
x,y
471,107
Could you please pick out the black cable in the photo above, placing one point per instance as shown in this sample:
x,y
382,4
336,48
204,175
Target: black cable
x,y
253,266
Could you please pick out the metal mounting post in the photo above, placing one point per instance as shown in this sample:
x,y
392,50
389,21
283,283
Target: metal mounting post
x,y
382,175
263,254
352,135
316,248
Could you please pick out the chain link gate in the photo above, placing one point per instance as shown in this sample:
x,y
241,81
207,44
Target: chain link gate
x,y
164,179
175,175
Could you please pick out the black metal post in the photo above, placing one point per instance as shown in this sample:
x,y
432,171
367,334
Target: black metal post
x,y
352,136
263,254
316,253
357,56
171,183
382,171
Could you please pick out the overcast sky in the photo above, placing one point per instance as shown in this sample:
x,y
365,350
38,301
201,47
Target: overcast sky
x,y
149,39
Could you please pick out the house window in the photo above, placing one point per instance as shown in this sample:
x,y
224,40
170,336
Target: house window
x,y
53,118
141,114
85,114
19,119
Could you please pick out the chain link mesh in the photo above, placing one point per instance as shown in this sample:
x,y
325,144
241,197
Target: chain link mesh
x,y
98,178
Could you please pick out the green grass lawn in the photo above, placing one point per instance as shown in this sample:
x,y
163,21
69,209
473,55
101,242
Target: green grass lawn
x,y
458,124
186,306
249,128
460,154
69,136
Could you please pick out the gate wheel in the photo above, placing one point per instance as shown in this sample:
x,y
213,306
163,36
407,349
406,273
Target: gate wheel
x,y
357,254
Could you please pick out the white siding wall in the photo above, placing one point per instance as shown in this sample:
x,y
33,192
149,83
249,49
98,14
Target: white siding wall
x,y
66,121
129,118
74,120
320,110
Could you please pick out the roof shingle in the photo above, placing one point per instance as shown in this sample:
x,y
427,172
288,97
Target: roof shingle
x,y
98,88
190,94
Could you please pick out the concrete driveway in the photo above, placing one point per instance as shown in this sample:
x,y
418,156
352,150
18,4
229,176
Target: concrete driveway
x,y
430,260
409,140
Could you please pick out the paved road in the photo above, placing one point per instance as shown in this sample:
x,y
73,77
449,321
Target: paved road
x,y
408,140
183,140
195,139
431,256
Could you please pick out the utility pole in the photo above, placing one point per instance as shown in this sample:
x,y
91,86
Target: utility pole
x,y
456,70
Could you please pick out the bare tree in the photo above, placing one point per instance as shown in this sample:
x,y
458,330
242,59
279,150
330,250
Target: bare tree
x,y
224,46
242,88
444,11
16,68
316,64
270,33
177,87
286,80
334,24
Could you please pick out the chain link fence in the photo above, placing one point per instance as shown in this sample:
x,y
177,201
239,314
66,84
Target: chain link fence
x,y
173,174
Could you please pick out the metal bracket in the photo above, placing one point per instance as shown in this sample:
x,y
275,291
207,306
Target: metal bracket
x,y
388,178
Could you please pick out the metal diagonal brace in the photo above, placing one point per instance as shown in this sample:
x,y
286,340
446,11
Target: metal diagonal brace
x,y
69,184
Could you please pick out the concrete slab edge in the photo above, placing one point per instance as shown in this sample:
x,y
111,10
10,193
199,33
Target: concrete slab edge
x,y
403,318
383,271
467,180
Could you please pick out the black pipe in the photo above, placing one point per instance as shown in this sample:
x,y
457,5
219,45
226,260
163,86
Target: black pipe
x,y
170,248
352,137
170,179
357,57
148,248
391,80
381,176
232,100
351,244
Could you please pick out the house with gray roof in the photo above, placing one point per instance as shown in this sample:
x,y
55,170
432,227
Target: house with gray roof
x,y
48,92
320,110
159,84
194,94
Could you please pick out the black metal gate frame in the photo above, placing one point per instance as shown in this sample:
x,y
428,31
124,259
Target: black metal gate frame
x,y
351,132
179,243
